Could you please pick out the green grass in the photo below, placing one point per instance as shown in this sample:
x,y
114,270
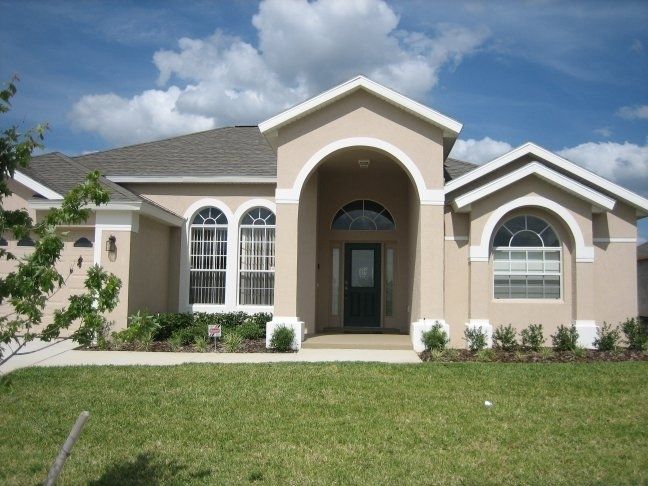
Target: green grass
x,y
330,424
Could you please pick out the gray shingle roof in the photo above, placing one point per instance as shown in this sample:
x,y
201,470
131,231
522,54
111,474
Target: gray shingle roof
x,y
60,173
229,151
642,251
454,168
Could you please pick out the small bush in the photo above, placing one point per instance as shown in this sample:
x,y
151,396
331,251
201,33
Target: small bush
x,y
282,338
140,329
607,338
232,341
476,338
188,335
201,344
169,323
505,338
565,339
485,355
580,352
436,355
532,337
451,354
636,334
175,342
546,353
436,338
251,329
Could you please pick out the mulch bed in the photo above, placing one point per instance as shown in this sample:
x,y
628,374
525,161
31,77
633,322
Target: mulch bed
x,y
248,346
495,356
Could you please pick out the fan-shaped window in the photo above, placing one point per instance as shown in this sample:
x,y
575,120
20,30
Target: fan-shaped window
x,y
526,260
208,257
26,241
257,257
363,215
83,242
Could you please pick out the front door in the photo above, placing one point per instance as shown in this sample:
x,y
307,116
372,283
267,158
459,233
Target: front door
x,y
362,285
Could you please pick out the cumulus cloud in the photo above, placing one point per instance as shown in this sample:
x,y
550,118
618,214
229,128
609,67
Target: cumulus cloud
x,y
303,48
624,163
605,132
634,112
479,151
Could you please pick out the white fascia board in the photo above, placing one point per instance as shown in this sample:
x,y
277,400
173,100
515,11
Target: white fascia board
x,y
36,186
142,207
191,180
449,126
462,203
634,199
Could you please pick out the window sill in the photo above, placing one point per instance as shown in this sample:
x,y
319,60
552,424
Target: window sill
x,y
528,301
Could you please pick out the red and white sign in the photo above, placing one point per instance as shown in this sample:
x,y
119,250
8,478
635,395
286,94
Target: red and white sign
x,y
214,331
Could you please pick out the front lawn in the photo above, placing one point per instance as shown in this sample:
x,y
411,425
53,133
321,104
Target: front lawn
x,y
330,423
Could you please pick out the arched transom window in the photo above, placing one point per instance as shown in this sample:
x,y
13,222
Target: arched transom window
x,y
257,257
208,257
526,260
363,215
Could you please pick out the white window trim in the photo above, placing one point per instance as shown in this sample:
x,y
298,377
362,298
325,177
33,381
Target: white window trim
x,y
238,215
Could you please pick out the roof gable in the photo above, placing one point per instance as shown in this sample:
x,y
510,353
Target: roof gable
x,y
638,202
450,127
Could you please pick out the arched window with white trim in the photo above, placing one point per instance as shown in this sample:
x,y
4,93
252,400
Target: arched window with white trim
x,y
208,257
526,260
257,257
363,215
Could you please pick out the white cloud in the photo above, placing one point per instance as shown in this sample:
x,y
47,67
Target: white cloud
x,y
637,46
149,115
605,132
479,151
634,112
303,48
624,163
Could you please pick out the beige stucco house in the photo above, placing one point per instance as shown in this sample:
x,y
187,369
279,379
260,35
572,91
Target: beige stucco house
x,y
346,213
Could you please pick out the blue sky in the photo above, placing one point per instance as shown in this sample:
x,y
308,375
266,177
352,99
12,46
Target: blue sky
x,y
570,76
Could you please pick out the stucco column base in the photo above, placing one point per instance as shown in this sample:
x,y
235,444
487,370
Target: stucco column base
x,y
422,325
485,327
587,332
291,322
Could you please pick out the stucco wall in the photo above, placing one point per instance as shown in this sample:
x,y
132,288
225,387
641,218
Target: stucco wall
x,y
642,282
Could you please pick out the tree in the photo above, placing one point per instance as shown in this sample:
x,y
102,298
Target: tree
x,y
35,279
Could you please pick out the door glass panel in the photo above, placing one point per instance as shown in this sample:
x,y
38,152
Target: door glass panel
x,y
389,282
335,282
362,268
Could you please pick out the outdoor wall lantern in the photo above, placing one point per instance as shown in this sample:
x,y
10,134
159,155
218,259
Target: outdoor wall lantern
x,y
111,247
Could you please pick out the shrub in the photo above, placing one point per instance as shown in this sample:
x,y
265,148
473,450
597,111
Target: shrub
x,y
251,329
565,339
436,355
607,338
475,337
232,341
176,342
188,335
546,353
532,337
171,322
485,355
636,334
580,352
140,329
201,344
435,339
505,338
282,338
451,354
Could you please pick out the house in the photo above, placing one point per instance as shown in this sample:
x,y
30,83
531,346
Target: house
x,y
642,279
346,213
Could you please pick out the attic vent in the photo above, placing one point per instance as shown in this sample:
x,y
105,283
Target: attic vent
x,y
364,163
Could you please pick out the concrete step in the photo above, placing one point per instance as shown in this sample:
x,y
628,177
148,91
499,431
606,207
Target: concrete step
x,y
358,341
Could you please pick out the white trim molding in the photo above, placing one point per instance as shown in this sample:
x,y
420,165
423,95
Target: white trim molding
x,y
36,186
587,332
450,127
481,252
230,266
120,179
615,239
598,200
635,200
456,238
427,196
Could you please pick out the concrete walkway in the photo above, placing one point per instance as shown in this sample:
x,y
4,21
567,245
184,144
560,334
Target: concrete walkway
x,y
63,354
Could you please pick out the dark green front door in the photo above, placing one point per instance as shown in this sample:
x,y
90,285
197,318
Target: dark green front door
x,y
362,285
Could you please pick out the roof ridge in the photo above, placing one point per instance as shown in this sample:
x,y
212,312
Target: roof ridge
x,y
141,144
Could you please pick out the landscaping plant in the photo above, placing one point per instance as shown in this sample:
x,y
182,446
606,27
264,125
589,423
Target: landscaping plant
x,y
607,338
636,334
565,339
505,338
282,338
435,339
532,337
140,329
476,338
232,341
